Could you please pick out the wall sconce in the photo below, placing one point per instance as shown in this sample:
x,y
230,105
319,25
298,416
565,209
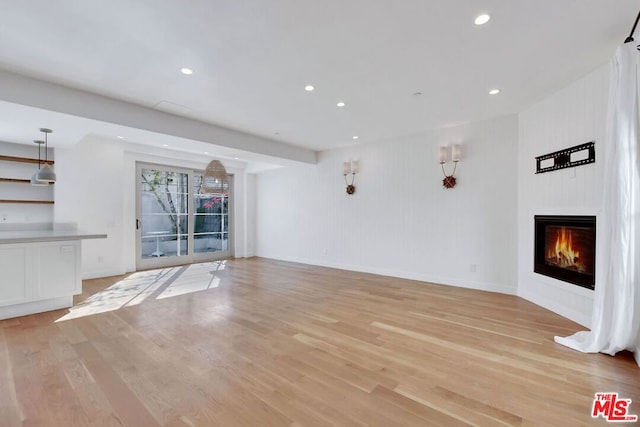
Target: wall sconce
x,y
350,167
449,153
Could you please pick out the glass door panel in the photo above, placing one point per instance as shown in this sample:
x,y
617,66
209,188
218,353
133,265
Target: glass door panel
x,y
164,213
211,219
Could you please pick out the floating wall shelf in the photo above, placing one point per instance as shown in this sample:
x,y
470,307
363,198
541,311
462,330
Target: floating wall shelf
x,y
21,181
24,160
9,192
15,180
31,202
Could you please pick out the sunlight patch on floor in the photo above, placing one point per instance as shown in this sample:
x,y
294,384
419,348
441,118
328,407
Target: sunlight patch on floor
x,y
187,288
156,284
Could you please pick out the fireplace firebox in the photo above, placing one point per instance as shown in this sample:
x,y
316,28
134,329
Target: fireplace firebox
x,y
565,248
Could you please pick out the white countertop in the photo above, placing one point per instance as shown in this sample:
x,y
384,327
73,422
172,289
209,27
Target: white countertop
x,y
30,236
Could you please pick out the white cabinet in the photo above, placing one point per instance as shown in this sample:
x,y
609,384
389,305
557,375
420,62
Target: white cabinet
x,y
13,273
57,264
38,276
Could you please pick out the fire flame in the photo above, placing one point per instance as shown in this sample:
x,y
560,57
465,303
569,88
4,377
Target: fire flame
x,y
564,253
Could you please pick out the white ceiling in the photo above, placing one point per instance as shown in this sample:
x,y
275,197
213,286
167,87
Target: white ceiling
x,y
252,59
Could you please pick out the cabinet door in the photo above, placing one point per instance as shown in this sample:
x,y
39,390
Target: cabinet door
x,y
13,274
58,269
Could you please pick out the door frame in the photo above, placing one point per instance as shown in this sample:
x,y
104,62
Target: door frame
x,y
191,257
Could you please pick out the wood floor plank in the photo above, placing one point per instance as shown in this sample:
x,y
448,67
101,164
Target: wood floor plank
x,y
428,414
261,342
10,413
123,400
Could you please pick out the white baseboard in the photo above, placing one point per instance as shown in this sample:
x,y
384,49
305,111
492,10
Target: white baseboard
x,y
33,307
558,306
98,274
441,280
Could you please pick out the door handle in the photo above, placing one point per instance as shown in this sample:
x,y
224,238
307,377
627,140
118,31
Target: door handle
x,y
137,224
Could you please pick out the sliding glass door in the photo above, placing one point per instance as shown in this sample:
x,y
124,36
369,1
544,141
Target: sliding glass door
x,y
211,219
176,222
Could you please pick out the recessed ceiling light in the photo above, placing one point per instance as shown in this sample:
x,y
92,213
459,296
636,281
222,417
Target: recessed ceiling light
x,y
165,145
494,91
237,158
206,152
417,93
120,137
309,88
482,19
186,71
340,104
354,137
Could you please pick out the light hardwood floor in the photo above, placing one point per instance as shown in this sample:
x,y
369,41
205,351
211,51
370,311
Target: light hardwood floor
x,y
253,342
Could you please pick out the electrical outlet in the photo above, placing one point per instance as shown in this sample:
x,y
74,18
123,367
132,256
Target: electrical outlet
x,y
100,259
473,268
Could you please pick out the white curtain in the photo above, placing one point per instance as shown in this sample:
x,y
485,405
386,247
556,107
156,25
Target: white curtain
x,y
615,321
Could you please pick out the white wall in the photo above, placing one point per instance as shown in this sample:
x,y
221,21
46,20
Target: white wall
x,y
89,192
107,204
574,115
400,221
251,214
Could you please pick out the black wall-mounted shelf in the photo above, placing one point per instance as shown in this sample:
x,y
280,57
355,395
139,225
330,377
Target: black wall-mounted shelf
x,y
562,158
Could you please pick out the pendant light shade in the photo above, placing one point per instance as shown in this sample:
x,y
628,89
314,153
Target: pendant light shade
x,y
46,173
34,178
36,181
215,178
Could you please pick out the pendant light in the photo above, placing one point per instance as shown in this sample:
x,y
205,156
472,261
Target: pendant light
x,y
46,174
34,178
214,179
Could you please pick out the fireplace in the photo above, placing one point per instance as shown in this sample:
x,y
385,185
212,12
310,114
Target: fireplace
x,y
565,248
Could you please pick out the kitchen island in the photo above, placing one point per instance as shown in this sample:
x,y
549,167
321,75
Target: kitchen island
x,y
39,270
